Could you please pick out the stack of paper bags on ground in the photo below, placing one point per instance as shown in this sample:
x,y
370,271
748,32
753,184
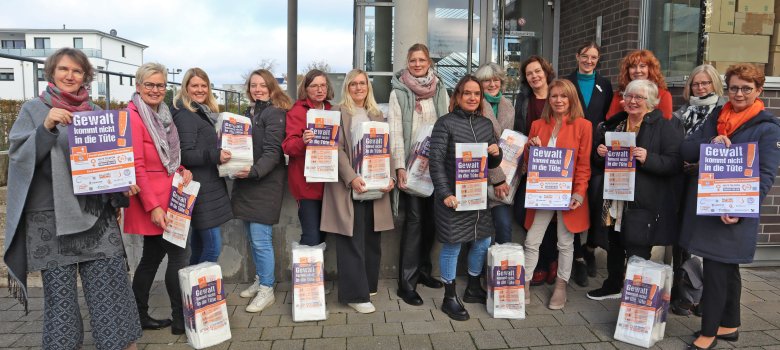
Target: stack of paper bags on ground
x,y
179,214
506,281
205,309
512,144
322,153
371,158
235,133
644,303
308,283
471,176
418,176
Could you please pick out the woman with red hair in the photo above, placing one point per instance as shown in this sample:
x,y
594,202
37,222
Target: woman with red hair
x,y
641,64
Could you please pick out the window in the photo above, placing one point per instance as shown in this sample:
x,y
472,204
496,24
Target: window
x,y
6,74
672,33
13,44
121,80
42,43
123,51
78,43
39,74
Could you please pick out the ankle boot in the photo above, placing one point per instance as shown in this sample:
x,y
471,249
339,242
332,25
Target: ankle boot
x,y
474,292
558,299
452,305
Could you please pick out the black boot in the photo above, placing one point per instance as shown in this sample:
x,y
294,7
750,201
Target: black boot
x,y
474,292
452,305
590,260
147,322
579,273
428,281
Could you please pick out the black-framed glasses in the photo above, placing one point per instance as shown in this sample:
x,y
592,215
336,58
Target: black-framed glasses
x,y
703,84
152,86
745,89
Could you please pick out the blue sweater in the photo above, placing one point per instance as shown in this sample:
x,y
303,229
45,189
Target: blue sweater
x,y
586,82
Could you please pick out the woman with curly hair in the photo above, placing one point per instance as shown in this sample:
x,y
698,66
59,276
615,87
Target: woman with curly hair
x,y
641,64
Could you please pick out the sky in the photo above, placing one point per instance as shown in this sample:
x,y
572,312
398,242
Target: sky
x,y
226,38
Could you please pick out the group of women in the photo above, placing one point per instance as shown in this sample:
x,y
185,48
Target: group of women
x,y
52,230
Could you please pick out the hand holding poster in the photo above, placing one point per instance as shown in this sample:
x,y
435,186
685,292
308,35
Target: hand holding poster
x,y
550,176
512,144
620,166
728,180
471,176
179,213
418,176
322,156
101,152
235,136
371,158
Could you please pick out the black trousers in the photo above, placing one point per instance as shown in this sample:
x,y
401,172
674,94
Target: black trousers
x,y
616,259
720,297
154,250
357,257
416,241
309,214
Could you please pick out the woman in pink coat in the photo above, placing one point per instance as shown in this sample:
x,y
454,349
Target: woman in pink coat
x,y
157,159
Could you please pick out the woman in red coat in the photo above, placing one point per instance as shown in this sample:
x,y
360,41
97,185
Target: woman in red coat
x,y
157,158
314,92
561,125
641,64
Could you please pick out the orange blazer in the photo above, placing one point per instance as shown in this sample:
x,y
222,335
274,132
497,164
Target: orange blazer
x,y
577,135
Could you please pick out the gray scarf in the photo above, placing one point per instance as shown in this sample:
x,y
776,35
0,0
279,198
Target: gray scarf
x,y
212,115
163,132
698,110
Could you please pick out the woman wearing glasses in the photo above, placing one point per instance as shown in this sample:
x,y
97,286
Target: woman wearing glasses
x,y
726,241
635,227
314,92
157,158
642,64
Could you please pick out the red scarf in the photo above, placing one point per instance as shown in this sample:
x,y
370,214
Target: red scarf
x,y
56,98
729,121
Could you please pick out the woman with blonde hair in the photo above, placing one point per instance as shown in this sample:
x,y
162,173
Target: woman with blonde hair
x,y
195,114
258,190
356,224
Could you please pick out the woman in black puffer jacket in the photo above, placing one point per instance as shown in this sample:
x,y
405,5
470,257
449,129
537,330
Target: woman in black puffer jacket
x,y
463,124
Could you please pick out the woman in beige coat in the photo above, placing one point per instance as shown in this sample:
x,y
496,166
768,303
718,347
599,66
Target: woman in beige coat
x,y
356,224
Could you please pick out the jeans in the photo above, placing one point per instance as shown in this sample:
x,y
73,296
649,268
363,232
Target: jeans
x,y
309,212
261,240
502,220
448,258
205,245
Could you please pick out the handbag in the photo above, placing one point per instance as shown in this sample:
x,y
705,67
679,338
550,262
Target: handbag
x,y
638,226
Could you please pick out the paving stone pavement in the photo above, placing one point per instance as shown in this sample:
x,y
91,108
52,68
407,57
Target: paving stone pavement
x,y
582,324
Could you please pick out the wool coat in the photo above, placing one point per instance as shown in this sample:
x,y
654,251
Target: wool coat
x,y
338,213
294,147
504,120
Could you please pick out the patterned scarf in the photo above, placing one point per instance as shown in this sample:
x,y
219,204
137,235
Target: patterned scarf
x,y
56,98
422,87
729,120
163,132
698,110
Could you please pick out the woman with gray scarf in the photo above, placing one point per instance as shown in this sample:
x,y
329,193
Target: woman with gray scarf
x,y
49,229
157,158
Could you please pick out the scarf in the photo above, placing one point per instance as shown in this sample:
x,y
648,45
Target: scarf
x,y
493,100
422,87
56,98
212,116
163,132
698,110
729,120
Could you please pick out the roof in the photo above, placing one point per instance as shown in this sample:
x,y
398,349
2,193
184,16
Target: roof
x,y
69,31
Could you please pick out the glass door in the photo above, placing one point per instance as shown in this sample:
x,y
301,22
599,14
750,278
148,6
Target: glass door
x,y
374,44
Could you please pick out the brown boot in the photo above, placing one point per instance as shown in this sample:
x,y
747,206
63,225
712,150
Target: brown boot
x,y
558,299
527,289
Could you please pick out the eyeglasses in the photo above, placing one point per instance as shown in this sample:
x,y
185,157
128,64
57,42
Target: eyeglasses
x,y
589,58
746,90
630,97
65,70
152,86
355,84
318,87
703,84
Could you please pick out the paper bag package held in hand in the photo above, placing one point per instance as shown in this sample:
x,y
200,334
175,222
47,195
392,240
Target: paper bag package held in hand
x,y
205,309
321,163
506,281
512,144
308,283
471,176
371,158
418,176
644,302
235,132
179,214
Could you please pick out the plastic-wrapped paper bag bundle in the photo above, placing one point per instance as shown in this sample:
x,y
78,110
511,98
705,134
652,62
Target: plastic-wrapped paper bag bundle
x,y
371,157
322,153
179,214
205,309
235,133
418,176
512,144
471,176
644,302
506,281
308,283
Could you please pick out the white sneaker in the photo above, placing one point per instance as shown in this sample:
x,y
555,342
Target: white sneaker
x,y
264,298
252,290
363,308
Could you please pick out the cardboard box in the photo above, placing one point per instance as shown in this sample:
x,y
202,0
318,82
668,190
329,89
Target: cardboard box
x,y
754,23
722,65
726,21
737,48
773,67
775,35
762,6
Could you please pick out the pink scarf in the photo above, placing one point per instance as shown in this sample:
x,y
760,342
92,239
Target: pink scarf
x,y
422,87
56,98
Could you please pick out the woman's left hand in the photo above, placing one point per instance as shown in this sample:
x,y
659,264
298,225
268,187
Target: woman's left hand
x,y
722,139
535,141
574,204
132,191
728,219
640,154
493,150
451,202
186,177
502,190
243,173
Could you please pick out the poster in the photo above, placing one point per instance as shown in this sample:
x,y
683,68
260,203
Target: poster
x,y
620,166
322,155
235,134
101,152
308,283
206,320
728,180
418,175
471,176
512,145
550,175
179,214
371,158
